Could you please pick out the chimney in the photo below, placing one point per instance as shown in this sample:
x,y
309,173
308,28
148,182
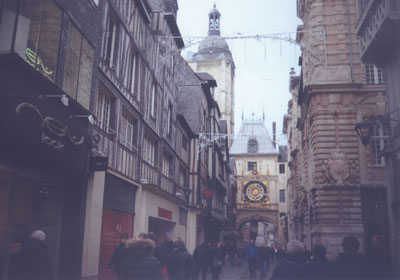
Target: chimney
x,y
274,133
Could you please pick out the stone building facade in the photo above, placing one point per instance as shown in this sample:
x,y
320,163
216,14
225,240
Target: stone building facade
x,y
378,21
339,186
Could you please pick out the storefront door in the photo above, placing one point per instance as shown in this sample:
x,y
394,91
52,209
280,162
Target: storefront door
x,y
114,223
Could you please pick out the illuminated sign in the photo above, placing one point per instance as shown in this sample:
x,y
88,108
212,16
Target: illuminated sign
x,y
31,57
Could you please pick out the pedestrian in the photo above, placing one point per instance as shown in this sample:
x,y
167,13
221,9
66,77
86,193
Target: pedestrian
x,y
158,252
224,252
217,263
232,253
179,263
318,267
292,264
251,254
350,264
263,254
168,245
202,257
140,263
119,255
34,258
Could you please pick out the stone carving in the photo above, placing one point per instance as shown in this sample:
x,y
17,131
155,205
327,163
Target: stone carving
x,y
339,170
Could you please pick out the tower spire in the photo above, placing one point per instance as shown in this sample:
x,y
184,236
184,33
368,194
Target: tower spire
x,y
214,21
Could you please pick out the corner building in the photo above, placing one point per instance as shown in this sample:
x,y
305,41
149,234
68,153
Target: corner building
x,y
342,187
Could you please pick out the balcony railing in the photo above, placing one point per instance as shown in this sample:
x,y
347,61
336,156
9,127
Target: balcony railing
x,y
378,22
149,173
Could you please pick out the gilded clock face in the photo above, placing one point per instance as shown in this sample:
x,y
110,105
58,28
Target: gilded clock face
x,y
255,191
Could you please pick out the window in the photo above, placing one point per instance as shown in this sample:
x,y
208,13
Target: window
x,y
167,165
153,108
111,39
184,142
379,141
183,215
252,145
38,26
281,168
282,195
150,151
169,119
78,67
182,177
252,166
128,131
374,75
104,106
133,73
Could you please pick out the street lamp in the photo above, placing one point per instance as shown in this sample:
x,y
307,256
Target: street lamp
x,y
364,131
187,192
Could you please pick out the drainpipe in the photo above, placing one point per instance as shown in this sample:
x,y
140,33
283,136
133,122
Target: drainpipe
x,y
350,40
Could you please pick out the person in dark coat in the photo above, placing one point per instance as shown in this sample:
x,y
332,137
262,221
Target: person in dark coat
x,y
224,251
35,261
202,257
216,263
168,245
140,264
119,255
251,254
292,265
263,255
350,264
318,267
179,263
158,252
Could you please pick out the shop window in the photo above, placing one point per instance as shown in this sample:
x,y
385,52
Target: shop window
x,y
373,75
281,168
37,33
150,151
252,166
78,67
282,195
128,131
112,31
379,141
105,104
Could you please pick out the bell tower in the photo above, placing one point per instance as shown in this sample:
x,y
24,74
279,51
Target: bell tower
x,y
214,22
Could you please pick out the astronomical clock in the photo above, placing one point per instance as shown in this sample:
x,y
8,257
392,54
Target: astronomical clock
x,y
255,192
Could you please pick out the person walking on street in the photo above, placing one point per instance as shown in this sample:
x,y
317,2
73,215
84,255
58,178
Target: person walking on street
x,y
217,263
318,267
179,264
140,263
251,254
263,253
292,264
119,255
202,257
35,261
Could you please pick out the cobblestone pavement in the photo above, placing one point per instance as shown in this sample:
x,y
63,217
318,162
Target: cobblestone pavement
x,y
242,272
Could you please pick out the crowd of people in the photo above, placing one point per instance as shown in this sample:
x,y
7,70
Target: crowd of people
x,y
298,263
141,258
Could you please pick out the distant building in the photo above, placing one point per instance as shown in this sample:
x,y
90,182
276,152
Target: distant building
x,y
215,58
261,180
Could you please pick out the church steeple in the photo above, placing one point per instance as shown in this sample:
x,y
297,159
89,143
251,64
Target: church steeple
x,y
214,22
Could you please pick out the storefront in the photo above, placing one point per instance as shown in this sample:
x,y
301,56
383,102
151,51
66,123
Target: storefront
x,y
43,169
117,218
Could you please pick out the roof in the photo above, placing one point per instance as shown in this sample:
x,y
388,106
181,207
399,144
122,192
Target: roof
x,y
253,130
208,78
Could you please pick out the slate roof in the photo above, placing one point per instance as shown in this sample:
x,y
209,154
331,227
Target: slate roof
x,y
253,129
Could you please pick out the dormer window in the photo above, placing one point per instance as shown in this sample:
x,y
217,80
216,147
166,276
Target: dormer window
x,y
252,145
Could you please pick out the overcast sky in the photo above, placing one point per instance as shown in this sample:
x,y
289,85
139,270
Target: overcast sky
x,y
263,65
